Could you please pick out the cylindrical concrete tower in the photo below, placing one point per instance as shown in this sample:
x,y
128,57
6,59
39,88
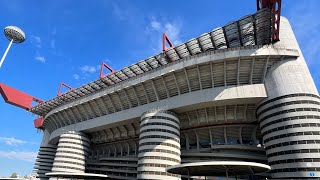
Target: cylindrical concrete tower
x,y
45,157
159,144
44,161
71,153
290,117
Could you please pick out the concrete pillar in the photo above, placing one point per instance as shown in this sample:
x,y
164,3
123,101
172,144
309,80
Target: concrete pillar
x,y
72,151
45,157
289,117
159,145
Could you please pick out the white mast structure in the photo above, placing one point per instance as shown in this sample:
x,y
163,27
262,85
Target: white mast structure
x,y
14,35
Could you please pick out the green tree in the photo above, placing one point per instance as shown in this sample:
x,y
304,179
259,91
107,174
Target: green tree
x,y
14,175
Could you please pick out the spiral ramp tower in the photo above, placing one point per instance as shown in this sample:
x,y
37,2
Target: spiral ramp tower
x,y
159,144
289,116
44,161
71,153
228,99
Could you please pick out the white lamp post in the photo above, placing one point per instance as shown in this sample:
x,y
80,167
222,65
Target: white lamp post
x,y
14,35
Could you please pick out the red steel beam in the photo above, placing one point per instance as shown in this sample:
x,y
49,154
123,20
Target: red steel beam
x,y
38,123
60,87
165,40
275,6
105,65
17,98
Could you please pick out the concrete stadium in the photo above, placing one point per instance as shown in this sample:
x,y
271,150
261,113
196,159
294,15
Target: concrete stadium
x,y
228,103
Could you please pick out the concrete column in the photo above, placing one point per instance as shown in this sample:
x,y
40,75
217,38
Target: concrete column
x,y
289,117
45,157
72,151
159,145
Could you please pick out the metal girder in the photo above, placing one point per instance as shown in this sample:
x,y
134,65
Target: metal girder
x,y
166,40
60,87
104,65
275,7
38,123
17,98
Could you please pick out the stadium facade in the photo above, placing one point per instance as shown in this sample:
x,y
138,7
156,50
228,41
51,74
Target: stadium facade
x,y
226,103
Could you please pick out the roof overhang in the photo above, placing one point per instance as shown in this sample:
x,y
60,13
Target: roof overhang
x,y
76,175
218,168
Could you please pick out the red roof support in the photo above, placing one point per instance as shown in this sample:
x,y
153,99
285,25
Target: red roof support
x,y
275,6
17,98
164,40
60,87
38,123
105,65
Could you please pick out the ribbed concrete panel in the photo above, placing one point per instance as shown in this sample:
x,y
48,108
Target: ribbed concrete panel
x,y
71,153
44,161
163,125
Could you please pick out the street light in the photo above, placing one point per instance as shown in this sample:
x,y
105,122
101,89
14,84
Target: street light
x,y
14,35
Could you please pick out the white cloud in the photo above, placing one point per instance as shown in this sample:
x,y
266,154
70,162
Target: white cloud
x,y
158,26
120,13
36,40
173,31
19,155
76,76
40,58
53,44
12,141
89,69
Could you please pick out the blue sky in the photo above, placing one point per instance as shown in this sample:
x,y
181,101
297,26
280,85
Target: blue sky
x,y
68,40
